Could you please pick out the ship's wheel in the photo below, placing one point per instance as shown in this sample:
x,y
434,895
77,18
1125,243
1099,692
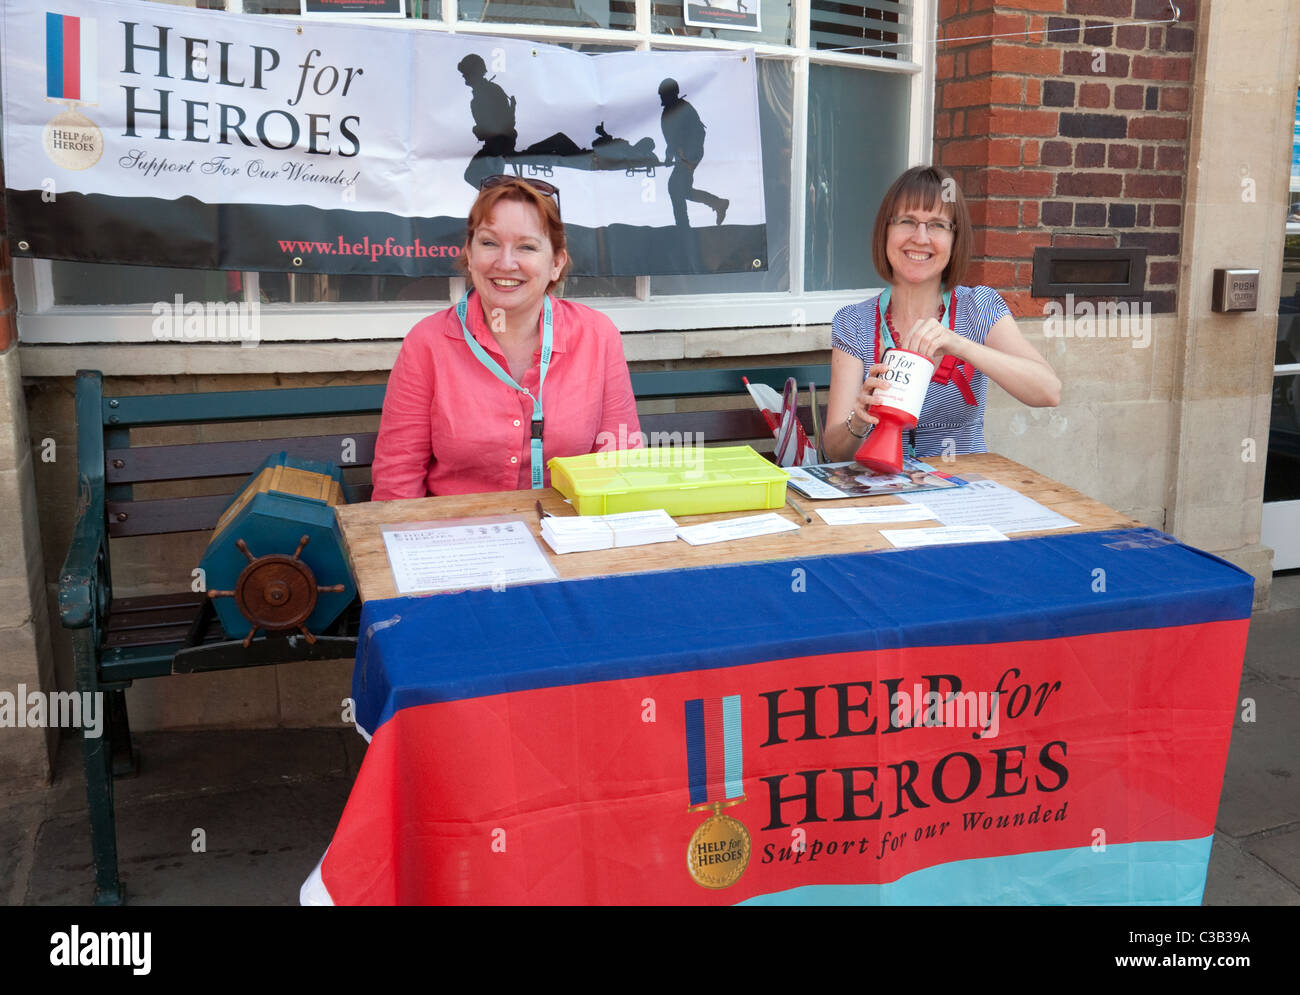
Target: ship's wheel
x,y
276,592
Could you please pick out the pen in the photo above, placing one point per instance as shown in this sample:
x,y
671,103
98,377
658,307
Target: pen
x,y
793,504
540,513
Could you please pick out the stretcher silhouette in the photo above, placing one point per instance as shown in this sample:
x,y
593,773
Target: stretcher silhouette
x,y
607,153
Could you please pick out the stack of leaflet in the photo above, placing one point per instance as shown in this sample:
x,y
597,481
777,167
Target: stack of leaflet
x,y
584,533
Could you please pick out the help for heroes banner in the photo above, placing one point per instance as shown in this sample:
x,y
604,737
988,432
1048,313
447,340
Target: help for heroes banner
x,y
151,134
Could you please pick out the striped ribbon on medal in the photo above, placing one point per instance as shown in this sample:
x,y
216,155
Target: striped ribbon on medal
x,y
71,58
713,749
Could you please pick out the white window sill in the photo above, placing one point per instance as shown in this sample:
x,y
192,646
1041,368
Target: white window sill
x,y
375,321
170,359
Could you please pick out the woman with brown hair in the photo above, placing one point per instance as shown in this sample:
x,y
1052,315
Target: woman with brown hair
x,y
922,246
484,393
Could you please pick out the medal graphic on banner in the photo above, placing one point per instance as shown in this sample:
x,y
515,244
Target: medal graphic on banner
x,y
71,139
719,849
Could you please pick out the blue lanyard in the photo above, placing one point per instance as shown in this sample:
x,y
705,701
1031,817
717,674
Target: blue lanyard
x,y
535,453
887,337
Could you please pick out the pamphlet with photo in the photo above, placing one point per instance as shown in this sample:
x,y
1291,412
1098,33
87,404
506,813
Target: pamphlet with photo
x,y
841,480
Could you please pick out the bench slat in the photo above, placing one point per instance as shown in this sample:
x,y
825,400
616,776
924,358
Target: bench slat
x,y
243,405
147,464
140,464
163,516
739,425
711,426
701,383
134,621
147,637
308,402
358,493
151,602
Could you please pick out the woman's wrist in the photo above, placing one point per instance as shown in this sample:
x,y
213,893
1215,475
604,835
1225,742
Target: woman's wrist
x,y
848,424
959,347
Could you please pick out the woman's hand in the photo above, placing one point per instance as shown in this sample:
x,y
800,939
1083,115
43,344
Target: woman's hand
x,y
870,394
851,398
932,339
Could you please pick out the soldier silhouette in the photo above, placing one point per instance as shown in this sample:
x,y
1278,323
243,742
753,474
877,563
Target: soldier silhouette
x,y
684,141
494,120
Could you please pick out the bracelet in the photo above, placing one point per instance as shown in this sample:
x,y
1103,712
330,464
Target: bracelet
x,y
848,423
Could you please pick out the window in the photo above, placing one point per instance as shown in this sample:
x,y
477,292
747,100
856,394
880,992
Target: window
x,y
844,97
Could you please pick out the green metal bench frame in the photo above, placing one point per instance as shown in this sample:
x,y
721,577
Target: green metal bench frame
x,y
179,633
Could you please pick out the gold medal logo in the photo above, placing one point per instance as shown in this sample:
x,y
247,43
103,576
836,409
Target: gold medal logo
x,y
73,141
719,849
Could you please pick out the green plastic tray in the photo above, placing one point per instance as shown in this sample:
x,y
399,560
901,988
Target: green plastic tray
x,y
682,481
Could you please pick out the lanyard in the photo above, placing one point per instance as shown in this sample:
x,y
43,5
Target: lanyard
x,y
535,451
885,337
949,368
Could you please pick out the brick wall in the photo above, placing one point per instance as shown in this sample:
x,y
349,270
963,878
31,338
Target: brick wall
x,y
1073,137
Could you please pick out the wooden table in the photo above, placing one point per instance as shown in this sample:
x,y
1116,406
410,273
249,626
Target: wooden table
x,y
362,524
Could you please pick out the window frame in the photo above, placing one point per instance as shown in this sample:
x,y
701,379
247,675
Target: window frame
x,y
44,322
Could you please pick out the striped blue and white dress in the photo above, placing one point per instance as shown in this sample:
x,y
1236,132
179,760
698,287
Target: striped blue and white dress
x,y
945,413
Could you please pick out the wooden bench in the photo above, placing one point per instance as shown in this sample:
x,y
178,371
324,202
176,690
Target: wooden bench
x,y
117,640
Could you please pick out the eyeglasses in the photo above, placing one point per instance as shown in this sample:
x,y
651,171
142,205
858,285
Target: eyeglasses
x,y
541,186
909,224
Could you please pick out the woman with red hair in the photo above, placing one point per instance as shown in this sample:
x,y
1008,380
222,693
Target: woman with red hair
x,y
484,393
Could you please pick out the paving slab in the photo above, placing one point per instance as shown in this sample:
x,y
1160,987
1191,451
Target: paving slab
x,y
214,761
1261,787
1273,648
1284,595
1281,851
255,847
1238,878
19,823
213,818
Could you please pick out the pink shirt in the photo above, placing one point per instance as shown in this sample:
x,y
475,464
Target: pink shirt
x,y
451,427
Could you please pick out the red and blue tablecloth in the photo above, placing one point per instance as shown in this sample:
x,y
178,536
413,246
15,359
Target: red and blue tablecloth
x,y
568,742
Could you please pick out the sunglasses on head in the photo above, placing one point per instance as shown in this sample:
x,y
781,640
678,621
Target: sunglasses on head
x,y
541,186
